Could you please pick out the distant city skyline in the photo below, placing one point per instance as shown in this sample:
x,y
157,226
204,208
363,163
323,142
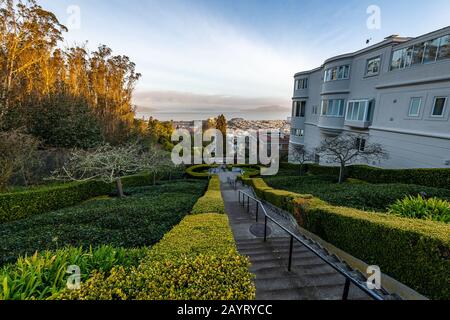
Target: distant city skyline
x,y
207,57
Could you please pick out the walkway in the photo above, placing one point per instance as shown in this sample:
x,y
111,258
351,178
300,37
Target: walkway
x,y
310,278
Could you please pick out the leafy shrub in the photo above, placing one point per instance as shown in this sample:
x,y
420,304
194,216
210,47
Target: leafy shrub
x,y
43,275
413,251
212,201
439,178
202,171
197,260
24,204
375,197
139,220
20,205
419,208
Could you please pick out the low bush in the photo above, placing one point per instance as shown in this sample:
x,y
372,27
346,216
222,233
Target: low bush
x,y
355,194
44,275
24,204
20,205
438,178
197,260
212,200
412,251
202,171
139,220
419,208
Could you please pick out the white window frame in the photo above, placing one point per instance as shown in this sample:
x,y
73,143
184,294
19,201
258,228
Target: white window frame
x,y
443,110
365,106
367,66
330,115
411,105
345,75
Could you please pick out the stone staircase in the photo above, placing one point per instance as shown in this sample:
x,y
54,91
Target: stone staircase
x,y
310,277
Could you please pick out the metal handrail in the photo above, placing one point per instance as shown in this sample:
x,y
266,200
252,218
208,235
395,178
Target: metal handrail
x,y
349,278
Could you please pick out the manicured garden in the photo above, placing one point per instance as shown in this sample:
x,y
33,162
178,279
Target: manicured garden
x,y
373,222
353,193
112,241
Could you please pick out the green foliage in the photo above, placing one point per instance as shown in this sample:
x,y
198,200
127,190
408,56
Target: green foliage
x,y
44,275
20,205
139,220
24,204
419,208
212,200
65,121
438,178
161,132
351,194
415,252
202,171
197,260
412,251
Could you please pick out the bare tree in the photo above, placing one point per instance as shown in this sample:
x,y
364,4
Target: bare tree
x,y
300,155
347,149
109,164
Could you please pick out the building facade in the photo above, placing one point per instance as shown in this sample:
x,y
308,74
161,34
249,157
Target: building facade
x,y
396,93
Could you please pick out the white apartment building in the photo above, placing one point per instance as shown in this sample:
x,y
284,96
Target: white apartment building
x,y
396,93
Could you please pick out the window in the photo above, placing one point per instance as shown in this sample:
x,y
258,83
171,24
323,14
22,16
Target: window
x,y
444,48
439,107
414,107
298,132
418,52
373,66
303,109
337,73
333,108
299,109
431,51
361,144
301,84
398,59
421,53
360,110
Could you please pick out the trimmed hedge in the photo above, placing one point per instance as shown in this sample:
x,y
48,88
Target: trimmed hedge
x,y
414,252
198,171
353,193
197,260
20,205
212,200
141,219
439,178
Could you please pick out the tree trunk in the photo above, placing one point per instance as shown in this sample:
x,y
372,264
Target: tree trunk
x,y
119,187
342,174
154,179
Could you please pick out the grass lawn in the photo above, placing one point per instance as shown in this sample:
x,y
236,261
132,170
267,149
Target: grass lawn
x,y
371,197
139,220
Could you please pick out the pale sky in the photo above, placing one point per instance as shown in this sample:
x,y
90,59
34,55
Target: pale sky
x,y
200,58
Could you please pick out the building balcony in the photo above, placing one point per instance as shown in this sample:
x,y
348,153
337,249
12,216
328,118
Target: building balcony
x,y
331,126
358,124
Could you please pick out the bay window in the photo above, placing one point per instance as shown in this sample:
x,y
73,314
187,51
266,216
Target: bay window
x,y
421,53
337,73
333,108
360,110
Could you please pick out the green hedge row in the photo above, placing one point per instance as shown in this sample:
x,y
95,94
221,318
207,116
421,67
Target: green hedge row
x,y
212,200
197,260
414,252
200,171
439,178
20,205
